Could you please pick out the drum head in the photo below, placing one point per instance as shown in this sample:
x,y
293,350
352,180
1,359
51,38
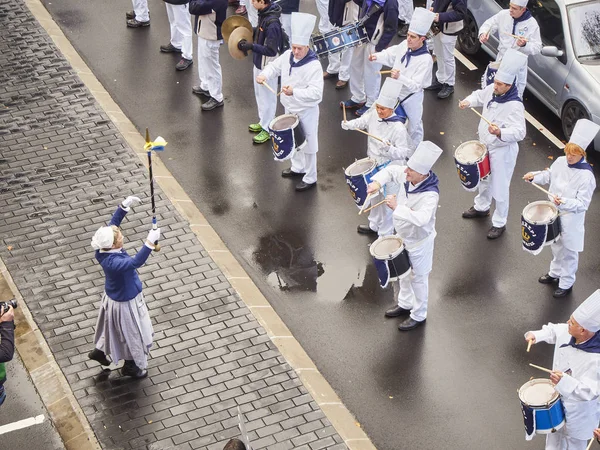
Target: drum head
x,y
540,212
360,167
387,247
284,122
538,392
470,152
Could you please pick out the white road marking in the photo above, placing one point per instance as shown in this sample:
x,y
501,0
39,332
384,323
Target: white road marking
x,y
463,59
542,129
25,423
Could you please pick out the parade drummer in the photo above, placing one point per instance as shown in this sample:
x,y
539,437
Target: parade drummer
x,y
268,42
510,23
500,130
414,210
575,372
383,123
301,92
340,14
572,184
123,330
412,64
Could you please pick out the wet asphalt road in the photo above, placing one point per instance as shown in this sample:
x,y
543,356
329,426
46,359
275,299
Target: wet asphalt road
x,y
448,385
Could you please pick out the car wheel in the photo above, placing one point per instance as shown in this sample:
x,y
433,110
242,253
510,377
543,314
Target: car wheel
x,y
468,38
571,113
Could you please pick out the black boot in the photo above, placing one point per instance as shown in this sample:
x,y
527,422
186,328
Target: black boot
x,y
99,356
131,370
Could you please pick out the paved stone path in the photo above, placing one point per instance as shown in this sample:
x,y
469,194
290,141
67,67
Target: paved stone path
x,y
63,169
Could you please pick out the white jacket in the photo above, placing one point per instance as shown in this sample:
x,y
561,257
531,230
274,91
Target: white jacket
x,y
503,23
580,390
414,217
393,132
575,187
306,81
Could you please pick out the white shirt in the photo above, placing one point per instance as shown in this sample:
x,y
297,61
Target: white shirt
x,y
503,23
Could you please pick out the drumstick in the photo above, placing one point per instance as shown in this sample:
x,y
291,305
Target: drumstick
x,y
269,87
344,109
370,208
384,71
477,112
515,36
544,190
590,444
370,135
540,368
529,345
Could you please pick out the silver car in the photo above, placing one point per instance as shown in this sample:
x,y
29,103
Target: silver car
x,y
566,75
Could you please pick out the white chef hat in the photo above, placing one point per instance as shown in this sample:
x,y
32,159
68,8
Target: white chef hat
x,y
584,133
421,21
103,238
511,63
302,27
388,96
521,3
588,313
424,157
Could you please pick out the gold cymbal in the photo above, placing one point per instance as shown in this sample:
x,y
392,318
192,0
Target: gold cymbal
x,y
236,36
233,22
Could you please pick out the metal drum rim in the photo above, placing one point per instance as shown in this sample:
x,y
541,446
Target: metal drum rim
x,y
373,165
464,144
294,125
554,399
389,255
537,203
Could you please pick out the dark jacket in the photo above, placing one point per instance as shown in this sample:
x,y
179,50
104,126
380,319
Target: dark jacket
x,y
7,347
384,36
205,26
450,11
336,12
267,35
289,6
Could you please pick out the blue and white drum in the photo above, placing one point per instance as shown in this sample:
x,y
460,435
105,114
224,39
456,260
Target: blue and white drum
x,y
540,226
358,176
489,75
390,258
334,41
287,136
542,408
472,163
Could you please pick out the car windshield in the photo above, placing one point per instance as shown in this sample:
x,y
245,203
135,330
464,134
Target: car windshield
x,y
584,22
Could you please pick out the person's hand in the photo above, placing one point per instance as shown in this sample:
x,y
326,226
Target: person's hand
x,y
244,45
395,74
8,316
153,236
260,79
130,201
528,176
483,37
493,129
345,125
521,42
373,187
287,90
530,337
556,376
372,57
437,17
464,104
557,200
597,434
391,202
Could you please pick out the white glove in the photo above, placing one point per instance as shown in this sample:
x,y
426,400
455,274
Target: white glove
x,y
130,201
346,126
153,236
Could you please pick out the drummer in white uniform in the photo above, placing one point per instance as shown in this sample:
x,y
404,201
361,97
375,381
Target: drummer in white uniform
x,y
414,208
382,121
503,107
575,373
302,91
412,64
572,184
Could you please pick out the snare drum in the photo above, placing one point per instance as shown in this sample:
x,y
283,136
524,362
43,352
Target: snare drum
x,y
358,176
542,407
287,136
390,258
490,74
472,163
337,40
540,226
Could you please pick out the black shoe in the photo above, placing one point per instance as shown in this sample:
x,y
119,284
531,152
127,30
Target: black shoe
x,y
365,229
302,186
559,293
130,15
547,279
289,173
134,23
169,48
99,356
184,64
199,91
129,369
446,91
397,311
472,213
410,324
435,86
211,104
403,30
496,232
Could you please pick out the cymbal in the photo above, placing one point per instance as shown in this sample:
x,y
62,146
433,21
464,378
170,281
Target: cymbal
x,y
236,36
233,22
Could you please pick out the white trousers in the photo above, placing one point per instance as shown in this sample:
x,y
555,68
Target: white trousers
x,y
365,79
209,69
324,23
405,10
286,24
140,7
443,46
340,63
414,111
413,289
305,161
266,101
381,218
252,13
180,22
564,264
558,441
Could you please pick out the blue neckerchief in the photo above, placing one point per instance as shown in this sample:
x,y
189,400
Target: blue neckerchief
x,y
378,2
526,15
410,53
590,346
310,56
431,183
392,118
511,95
581,164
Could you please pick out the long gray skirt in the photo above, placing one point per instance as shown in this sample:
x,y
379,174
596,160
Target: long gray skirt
x,y
124,330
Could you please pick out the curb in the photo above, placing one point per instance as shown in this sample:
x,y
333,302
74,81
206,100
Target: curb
x,y
320,390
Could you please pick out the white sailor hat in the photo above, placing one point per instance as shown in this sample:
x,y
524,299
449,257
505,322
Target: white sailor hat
x,y
521,3
388,96
588,313
103,238
584,133
511,63
424,157
421,21
302,27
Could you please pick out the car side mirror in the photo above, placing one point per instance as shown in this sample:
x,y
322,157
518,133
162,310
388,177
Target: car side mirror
x,y
552,51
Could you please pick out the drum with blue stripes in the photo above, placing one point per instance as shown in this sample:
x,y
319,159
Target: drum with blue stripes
x,y
358,176
540,226
541,406
390,258
287,136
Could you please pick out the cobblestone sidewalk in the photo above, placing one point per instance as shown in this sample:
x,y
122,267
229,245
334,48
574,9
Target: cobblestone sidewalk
x,y
63,169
